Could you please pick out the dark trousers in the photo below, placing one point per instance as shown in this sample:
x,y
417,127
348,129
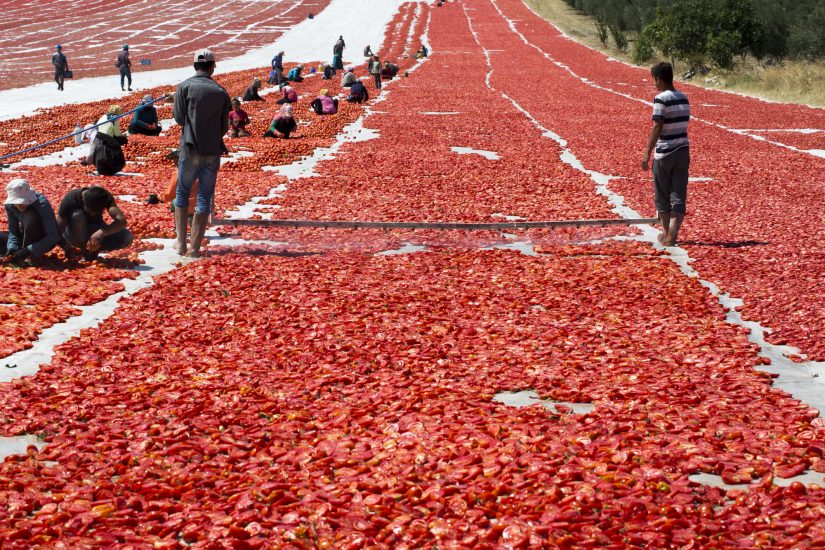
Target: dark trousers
x,y
80,229
59,77
125,74
377,80
145,131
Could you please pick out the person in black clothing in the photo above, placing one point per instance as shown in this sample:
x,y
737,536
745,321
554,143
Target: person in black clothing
x,y
61,65
125,65
251,93
358,93
80,221
329,71
389,71
145,119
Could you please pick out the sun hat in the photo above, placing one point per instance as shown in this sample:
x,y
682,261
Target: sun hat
x,y
19,192
114,110
204,56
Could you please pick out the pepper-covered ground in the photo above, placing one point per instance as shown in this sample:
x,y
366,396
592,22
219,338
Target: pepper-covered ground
x,y
312,394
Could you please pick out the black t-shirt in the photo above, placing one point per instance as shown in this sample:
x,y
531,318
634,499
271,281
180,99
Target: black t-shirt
x,y
73,200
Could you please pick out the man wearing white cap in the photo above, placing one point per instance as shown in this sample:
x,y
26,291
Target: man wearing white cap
x,y
145,119
202,110
32,225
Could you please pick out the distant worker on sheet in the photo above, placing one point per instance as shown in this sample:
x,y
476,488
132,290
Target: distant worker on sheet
x,y
325,104
61,65
295,74
238,120
290,95
251,93
125,65
283,124
338,53
389,71
358,93
349,78
277,74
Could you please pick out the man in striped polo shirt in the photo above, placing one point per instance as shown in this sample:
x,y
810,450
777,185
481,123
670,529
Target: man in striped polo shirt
x,y
669,144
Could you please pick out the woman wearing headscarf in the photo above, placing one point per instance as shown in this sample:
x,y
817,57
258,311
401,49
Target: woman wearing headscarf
x,y
283,124
324,104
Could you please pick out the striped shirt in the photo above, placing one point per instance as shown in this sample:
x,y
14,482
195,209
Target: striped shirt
x,y
672,107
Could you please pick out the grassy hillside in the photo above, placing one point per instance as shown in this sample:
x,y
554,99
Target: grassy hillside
x,y
792,81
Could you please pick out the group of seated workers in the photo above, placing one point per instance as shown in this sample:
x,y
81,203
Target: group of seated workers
x,y
78,227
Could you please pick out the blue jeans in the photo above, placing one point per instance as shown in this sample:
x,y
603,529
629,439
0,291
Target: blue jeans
x,y
192,166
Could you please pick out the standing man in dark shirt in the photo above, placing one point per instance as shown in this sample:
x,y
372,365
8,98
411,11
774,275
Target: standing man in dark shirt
x,y
61,65
125,65
278,67
202,110
80,221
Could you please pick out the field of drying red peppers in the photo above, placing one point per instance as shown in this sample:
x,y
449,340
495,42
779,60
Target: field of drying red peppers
x,y
312,394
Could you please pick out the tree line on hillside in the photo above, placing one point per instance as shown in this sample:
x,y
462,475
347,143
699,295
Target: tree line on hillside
x,y
714,31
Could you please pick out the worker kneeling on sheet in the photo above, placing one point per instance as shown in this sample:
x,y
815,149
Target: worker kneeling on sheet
x,y
32,225
324,104
80,220
283,124
251,93
358,93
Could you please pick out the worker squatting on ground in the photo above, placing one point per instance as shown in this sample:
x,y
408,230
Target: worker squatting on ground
x,y
80,220
106,152
290,95
202,110
61,66
358,93
294,75
238,120
324,104
124,64
251,93
668,141
32,227
329,71
389,70
145,119
348,78
283,124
